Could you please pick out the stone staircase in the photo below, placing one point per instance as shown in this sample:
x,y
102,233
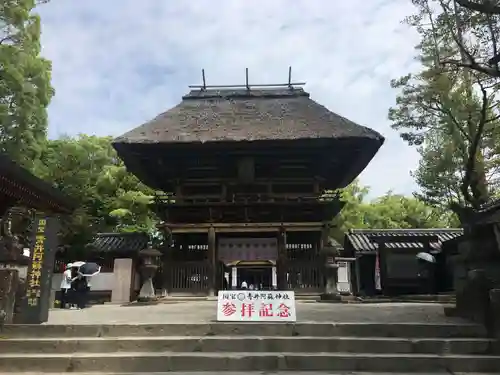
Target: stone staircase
x,y
234,347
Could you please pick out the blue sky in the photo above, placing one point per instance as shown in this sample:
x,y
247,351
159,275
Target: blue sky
x,y
119,63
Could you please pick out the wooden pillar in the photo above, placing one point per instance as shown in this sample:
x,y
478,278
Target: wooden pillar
x,y
282,260
382,264
323,241
357,270
212,258
167,261
320,256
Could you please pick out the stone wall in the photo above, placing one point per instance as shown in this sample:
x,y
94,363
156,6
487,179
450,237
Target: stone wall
x,y
477,270
9,282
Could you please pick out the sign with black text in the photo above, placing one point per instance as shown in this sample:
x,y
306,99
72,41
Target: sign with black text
x,y
35,310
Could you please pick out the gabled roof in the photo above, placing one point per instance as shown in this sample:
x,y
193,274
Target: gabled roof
x,y
119,242
24,188
362,240
247,115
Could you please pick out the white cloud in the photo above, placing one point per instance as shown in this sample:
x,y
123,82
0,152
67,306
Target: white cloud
x,y
120,64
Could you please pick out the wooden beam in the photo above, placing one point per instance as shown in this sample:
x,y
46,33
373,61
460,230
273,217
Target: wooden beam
x,y
244,227
233,181
252,225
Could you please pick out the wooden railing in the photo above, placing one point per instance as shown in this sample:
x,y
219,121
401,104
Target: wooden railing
x,y
305,276
187,277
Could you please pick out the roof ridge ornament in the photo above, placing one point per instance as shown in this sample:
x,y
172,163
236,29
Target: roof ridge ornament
x,y
290,84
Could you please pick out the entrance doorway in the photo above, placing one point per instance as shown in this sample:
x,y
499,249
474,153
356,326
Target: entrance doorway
x,y
260,277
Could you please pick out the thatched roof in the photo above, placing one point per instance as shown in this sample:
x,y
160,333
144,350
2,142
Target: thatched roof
x,y
21,187
246,115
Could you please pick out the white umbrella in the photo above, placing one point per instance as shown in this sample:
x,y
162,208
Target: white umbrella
x,y
78,264
426,257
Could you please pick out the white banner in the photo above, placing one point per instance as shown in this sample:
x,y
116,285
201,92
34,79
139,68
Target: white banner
x,y
256,306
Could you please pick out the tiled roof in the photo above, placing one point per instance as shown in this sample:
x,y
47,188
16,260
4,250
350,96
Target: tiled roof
x,y
360,239
119,242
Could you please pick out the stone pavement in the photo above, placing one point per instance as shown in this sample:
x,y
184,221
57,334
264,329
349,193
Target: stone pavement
x,y
260,373
205,311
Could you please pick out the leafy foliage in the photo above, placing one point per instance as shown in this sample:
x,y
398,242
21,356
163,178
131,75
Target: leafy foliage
x,y
389,211
109,198
450,114
25,89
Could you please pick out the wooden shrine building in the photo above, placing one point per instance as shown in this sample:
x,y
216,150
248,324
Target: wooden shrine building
x,y
386,261
245,171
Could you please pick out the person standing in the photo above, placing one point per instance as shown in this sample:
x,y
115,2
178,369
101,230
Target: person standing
x,y
89,285
79,288
88,281
66,286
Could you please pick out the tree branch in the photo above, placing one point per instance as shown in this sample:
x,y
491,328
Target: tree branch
x,y
485,7
467,59
473,150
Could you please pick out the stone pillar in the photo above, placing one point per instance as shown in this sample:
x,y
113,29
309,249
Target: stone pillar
x,y
212,258
328,254
495,315
121,291
9,282
282,260
34,306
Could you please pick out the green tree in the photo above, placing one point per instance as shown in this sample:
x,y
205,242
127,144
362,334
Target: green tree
x,y
397,211
439,173
25,90
389,211
451,115
109,198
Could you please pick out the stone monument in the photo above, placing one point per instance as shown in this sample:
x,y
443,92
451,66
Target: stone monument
x,y
330,252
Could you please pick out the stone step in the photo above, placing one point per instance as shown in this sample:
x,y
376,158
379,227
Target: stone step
x,y
249,344
253,373
172,361
413,330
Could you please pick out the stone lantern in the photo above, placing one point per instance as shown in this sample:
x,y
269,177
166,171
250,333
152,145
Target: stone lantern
x,y
13,271
150,259
330,252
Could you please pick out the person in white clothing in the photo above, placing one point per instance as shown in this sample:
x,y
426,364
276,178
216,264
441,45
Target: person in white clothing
x,y
66,286
244,285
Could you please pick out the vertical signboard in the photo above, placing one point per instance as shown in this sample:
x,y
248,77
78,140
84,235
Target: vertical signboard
x,y
35,309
